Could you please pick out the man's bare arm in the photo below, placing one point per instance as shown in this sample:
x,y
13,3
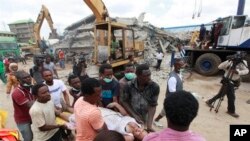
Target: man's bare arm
x,y
118,107
131,112
151,113
66,97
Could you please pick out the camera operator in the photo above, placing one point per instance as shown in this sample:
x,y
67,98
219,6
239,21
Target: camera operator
x,y
79,68
234,67
36,70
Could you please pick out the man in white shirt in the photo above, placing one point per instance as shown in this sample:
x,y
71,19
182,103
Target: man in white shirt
x,y
56,88
159,57
42,113
174,84
231,80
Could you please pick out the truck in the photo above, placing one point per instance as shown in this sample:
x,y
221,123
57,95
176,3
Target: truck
x,y
114,41
9,47
234,36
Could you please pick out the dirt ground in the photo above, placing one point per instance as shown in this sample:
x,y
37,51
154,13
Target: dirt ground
x,y
213,126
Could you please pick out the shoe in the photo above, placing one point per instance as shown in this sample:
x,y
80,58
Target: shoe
x,y
233,114
209,104
157,123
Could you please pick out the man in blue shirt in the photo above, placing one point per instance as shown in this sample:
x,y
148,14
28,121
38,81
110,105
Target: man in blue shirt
x,y
110,86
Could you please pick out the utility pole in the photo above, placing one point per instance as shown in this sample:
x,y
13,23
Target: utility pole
x,y
241,6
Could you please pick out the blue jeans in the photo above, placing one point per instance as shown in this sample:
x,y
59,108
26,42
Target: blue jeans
x,y
172,59
25,129
61,62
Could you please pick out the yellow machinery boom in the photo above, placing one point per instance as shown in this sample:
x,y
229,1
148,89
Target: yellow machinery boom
x,y
99,9
44,14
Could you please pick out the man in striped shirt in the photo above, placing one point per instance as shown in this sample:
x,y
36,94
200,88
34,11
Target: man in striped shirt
x,y
88,117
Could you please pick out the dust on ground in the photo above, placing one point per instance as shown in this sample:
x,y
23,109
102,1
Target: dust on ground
x,y
213,126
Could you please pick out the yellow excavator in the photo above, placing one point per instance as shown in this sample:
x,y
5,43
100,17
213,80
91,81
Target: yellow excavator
x,y
39,44
114,42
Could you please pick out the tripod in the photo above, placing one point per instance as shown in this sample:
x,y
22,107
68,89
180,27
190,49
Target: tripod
x,y
224,88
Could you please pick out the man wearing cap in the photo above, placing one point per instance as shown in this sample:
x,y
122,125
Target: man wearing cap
x,y
140,97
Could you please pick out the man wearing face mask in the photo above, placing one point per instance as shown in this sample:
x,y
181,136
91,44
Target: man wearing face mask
x,y
22,101
174,84
129,74
75,84
140,96
110,86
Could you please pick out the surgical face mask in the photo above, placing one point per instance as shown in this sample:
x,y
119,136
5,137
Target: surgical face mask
x,y
181,70
130,75
27,85
107,80
76,90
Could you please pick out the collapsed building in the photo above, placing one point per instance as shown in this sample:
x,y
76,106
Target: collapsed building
x,y
79,37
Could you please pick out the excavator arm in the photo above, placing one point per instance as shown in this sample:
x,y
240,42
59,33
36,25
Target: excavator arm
x,y
44,14
99,9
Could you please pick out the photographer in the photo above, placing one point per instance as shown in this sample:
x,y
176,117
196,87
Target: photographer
x,y
234,67
79,68
36,70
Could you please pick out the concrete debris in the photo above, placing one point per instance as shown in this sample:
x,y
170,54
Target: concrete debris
x,y
185,36
79,37
160,76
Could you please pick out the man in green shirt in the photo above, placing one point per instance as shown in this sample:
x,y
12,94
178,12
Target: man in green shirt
x,y
114,46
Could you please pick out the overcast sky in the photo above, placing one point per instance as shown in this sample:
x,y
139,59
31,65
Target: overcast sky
x,y
161,13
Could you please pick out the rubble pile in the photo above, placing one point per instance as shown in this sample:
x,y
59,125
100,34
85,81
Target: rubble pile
x,y
79,37
185,36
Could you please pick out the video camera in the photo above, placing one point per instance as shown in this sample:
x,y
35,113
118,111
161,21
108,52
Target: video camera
x,y
238,57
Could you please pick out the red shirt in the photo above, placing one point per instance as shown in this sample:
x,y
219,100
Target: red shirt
x,y
20,98
61,55
6,65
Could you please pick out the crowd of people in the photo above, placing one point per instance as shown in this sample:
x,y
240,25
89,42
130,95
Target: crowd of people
x,y
105,108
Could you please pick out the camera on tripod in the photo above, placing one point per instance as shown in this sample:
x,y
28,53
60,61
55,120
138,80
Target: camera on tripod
x,y
238,57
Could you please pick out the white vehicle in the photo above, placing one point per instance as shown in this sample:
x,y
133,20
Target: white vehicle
x,y
235,32
234,36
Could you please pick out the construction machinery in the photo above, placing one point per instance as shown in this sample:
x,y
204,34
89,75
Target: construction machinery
x,y
234,36
40,45
9,47
114,41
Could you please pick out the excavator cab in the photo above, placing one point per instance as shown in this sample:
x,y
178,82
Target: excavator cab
x,y
114,43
